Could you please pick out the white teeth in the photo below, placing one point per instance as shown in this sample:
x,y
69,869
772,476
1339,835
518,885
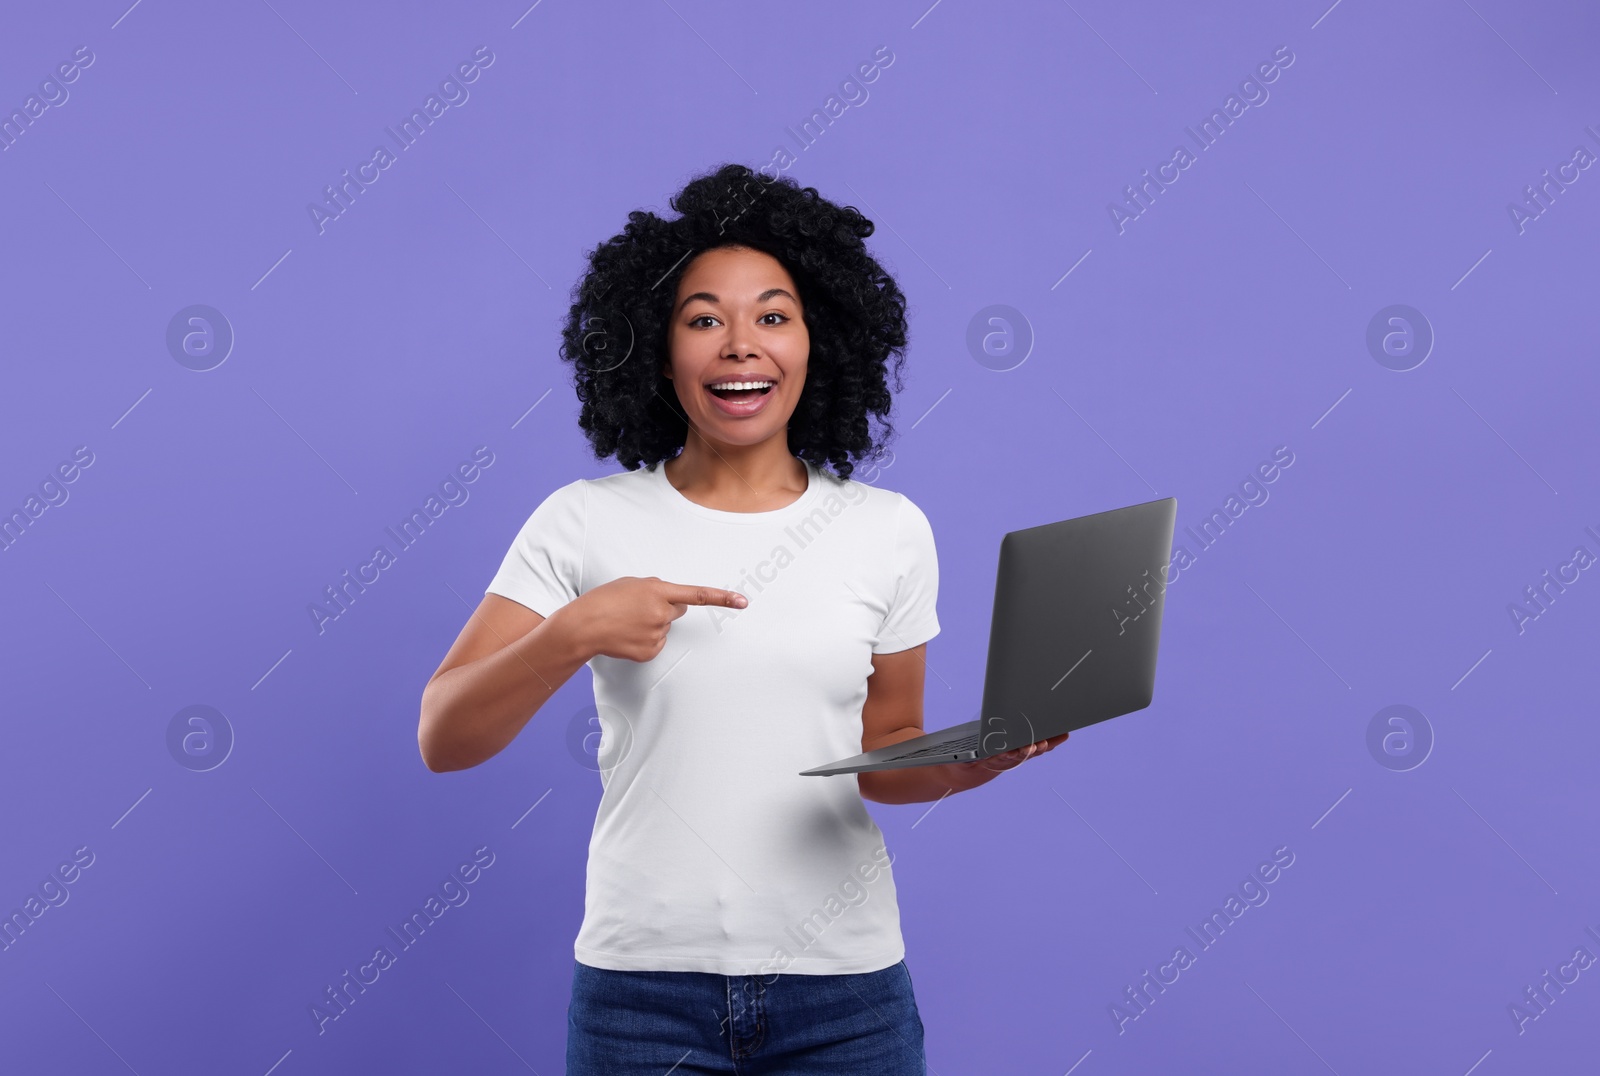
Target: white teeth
x,y
744,385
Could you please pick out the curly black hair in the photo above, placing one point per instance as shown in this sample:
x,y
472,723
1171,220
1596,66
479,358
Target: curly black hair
x,y
615,334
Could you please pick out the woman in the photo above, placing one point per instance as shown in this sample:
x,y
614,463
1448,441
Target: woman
x,y
746,615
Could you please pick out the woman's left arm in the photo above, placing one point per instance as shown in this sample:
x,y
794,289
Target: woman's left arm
x,y
893,712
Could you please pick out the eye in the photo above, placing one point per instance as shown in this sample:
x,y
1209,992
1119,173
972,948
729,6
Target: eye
x,y
696,318
773,314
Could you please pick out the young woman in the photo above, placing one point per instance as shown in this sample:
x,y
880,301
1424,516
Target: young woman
x,y
746,615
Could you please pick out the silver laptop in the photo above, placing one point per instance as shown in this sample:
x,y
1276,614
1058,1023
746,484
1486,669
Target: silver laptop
x,y
1072,641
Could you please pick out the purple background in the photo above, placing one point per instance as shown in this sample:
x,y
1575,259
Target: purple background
x,y
1228,319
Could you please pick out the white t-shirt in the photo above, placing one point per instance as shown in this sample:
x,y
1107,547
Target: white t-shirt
x,y
710,852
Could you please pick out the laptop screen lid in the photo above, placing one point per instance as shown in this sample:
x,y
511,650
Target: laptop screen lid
x,y
1076,623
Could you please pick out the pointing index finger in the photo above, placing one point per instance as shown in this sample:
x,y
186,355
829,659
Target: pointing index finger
x,y
681,594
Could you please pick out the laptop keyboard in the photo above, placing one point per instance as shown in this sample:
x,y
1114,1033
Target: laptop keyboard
x,y
953,747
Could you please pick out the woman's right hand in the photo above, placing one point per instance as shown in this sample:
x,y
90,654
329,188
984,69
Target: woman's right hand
x,y
629,617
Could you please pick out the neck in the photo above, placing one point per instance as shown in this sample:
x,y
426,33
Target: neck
x,y
737,473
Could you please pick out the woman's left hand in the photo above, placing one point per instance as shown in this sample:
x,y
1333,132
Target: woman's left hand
x,y
983,770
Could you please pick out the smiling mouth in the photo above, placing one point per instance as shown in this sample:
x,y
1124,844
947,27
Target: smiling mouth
x,y
738,394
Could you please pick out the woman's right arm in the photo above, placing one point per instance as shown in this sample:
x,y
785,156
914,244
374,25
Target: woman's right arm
x,y
509,660
505,664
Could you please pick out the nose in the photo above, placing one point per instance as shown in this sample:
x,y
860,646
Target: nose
x,y
741,342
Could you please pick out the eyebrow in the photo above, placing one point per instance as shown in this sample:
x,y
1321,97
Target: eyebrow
x,y
763,297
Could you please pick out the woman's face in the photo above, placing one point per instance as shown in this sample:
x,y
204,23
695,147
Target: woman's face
x,y
737,318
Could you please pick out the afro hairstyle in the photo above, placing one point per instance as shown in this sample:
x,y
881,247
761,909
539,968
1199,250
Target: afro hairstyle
x,y
615,334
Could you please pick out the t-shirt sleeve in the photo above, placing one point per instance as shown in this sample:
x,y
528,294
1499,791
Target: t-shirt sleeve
x,y
543,568
911,618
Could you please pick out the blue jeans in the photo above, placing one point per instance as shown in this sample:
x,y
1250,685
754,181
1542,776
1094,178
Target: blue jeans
x,y
688,1022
